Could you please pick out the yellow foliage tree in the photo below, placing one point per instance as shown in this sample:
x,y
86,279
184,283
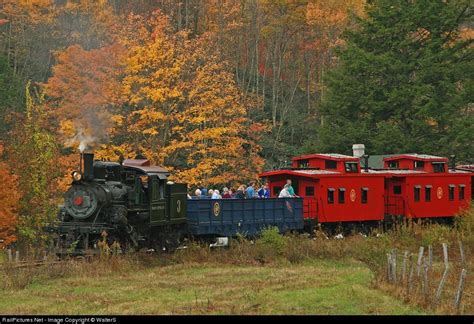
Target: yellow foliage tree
x,y
183,109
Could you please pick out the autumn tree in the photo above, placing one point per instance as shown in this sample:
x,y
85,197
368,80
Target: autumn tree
x,y
182,108
9,201
33,157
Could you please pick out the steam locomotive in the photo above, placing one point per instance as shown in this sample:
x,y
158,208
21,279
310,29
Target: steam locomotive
x,y
131,204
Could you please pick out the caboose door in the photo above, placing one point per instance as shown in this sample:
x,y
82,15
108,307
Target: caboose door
x,y
157,200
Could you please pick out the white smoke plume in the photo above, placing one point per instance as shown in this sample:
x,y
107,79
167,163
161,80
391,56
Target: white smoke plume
x,y
85,141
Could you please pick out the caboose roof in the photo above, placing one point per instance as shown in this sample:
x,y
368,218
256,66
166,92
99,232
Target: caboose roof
x,y
326,156
415,156
466,167
299,172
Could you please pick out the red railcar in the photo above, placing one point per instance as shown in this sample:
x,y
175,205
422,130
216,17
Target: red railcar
x,y
424,187
335,189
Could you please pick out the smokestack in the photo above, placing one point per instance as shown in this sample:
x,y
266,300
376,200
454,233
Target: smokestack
x,y
453,162
88,159
366,162
358,150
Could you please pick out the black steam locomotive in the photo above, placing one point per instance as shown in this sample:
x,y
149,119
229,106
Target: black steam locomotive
x,y
129,205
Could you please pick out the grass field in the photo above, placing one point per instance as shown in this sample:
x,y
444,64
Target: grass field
x,y
275,274
312,287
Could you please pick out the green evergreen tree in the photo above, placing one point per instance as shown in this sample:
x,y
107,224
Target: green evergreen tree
x,y
404,82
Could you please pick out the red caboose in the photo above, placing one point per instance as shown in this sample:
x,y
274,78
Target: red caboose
x,y
333,187
422,186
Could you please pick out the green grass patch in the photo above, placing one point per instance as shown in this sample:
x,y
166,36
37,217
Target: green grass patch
x,y
312,287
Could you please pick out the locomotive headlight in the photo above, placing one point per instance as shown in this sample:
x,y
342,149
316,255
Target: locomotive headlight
x,y
77,176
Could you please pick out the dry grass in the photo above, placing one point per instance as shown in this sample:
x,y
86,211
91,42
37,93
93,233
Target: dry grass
x,y
276,274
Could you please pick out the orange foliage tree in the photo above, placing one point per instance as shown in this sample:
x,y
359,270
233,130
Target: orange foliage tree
x,y
168,97
9,203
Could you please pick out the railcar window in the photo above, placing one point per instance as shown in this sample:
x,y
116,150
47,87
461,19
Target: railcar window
x,y
351,167
364,193
330,164
276,191
330,196
451,192
303,164
461,192
342,195
417,193
438,167
309,191
397,190
428,193
393,164
419,164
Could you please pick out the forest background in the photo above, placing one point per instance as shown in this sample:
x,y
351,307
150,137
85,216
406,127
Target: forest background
x,y
217,91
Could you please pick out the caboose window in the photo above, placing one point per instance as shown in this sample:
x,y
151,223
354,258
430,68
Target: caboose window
x,y
419,164
393,164
351,167
428,193
397,190
417,193
331,196
461,192
451,192
438,167
303,164
364,195
309,191
330,164
341,196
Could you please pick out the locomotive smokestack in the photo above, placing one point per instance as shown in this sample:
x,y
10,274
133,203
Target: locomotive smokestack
x,y
88,159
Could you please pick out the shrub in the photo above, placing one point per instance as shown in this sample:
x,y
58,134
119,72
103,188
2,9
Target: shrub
x,y
271,239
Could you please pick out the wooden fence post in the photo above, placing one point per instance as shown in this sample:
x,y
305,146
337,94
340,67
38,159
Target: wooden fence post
x,y
410,276
394,265
420,255
445,273
404,266
461,251
426,285
389,267
430,256
457,299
